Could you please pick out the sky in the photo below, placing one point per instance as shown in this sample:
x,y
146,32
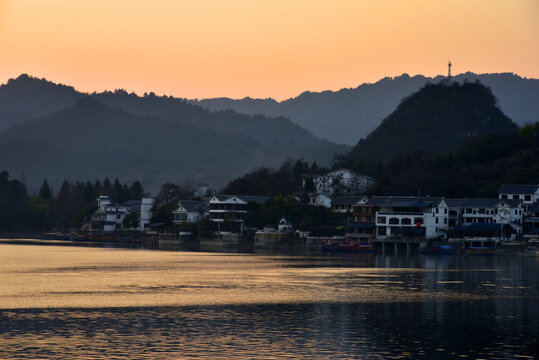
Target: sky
x,y
261,48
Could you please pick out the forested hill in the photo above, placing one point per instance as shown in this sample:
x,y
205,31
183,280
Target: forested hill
x,y
92,140
437,119
27,97
346,115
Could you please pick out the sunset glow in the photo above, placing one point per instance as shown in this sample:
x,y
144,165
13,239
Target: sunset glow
x,y
237,48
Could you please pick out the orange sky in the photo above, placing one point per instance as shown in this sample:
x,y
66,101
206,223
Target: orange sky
x,y
259,48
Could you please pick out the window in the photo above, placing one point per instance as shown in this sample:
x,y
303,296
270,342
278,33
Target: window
x,y
527,197
366,210
381,220
468,211
436,221
445,220
418,220
382,231
481,211
393,221
445,211
504,196
436,210
406,221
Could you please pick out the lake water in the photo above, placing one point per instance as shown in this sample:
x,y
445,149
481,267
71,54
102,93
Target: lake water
x,y
61,302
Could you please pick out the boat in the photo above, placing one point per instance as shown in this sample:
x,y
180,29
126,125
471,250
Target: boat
x,y
480,250
437,250
348,247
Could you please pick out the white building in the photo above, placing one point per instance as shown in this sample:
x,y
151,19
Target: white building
x,y
111,216
493,211
401,216
190,211
232,208
341,181
146,205
319,199
527,194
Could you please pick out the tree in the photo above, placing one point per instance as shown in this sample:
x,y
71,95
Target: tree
x,y
45,190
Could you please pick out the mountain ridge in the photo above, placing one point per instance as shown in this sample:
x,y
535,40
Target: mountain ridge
x,y
349,114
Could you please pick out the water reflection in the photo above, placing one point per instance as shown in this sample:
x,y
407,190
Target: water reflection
x,y
73,302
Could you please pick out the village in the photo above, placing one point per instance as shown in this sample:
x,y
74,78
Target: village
x,y
399,224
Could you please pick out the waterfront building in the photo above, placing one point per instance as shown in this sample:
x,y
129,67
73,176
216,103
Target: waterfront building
x,y
412,217
232,208
190,211
531,222
111,217
526,194
344,204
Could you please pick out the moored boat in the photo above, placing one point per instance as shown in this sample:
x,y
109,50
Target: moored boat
x,y
480,250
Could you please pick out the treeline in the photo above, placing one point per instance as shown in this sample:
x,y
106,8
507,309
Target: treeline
x,y
74,202
286,180
476,169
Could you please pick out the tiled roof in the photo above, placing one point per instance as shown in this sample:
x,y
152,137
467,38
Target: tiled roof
x,y
404,201
518,189
454,203
346,200
194,206
487,202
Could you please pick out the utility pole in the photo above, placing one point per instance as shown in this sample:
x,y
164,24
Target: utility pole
x,y
449,70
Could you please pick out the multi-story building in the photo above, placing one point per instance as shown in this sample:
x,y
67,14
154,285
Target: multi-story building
x,y
344,204
190,211
401,216
110,217
232,208
526,194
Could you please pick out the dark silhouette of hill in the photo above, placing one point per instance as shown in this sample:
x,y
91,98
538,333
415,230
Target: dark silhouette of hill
x,y
277,131
28,97
92,140
347,115
437,119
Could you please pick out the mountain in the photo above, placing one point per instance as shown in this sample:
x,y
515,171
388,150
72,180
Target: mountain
x,y
347,115
28,97
93,140
437,119
266,141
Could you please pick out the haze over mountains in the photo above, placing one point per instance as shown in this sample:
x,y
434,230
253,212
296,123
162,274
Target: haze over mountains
x,y
347,115
53,131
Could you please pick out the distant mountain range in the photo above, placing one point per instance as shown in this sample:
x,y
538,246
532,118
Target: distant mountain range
x,y
54,131
347,115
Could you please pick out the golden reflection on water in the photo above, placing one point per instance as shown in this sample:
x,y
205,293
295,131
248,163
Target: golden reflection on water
x,y
36,276
63,302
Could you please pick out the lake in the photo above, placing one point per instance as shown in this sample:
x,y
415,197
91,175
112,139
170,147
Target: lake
x,y
60,302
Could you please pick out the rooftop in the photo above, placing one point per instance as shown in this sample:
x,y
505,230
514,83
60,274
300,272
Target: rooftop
x,y
518,189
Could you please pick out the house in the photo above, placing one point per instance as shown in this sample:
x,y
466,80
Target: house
x,y
319,199
492,211
232,208
527,194
402,216
190,211
284,226
341,181
110,217
531,222
344,204
455,209
363,228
